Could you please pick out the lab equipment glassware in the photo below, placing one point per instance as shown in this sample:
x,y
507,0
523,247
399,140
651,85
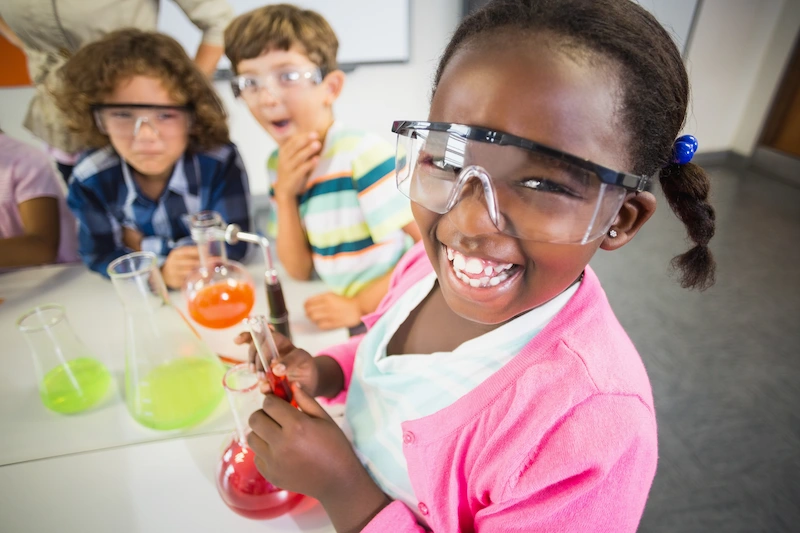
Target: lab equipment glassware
x,y
220,293
172,379
239,483
268,353
70,378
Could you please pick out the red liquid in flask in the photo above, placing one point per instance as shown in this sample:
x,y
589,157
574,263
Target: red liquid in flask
x,y
222,305
245,490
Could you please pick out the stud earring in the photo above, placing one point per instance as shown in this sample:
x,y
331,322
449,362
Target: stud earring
x,y
612,233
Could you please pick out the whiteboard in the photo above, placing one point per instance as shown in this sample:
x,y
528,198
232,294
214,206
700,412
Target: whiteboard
x,y
368,31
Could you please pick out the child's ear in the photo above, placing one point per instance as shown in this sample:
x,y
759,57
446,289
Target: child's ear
x,y
635,211
333,82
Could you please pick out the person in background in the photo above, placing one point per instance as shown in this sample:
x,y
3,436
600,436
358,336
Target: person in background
x,y
36,227
495,390
160,151
51,31
337,209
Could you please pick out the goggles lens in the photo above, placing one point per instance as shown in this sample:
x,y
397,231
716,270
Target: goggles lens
x,y
528,194
277,83
125,121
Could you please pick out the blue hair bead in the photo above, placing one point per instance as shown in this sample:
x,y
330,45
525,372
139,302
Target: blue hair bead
x,y
684,148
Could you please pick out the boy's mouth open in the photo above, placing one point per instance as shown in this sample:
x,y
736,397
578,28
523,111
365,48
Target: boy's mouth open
x,y
478,272
281,125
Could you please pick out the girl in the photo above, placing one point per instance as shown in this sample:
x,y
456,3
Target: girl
x,y
161,152
36,227
495,390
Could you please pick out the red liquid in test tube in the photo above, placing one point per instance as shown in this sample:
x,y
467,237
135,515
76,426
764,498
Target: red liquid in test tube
x,y
268,353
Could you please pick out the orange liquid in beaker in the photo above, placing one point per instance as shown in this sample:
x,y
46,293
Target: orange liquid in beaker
x,y
222,305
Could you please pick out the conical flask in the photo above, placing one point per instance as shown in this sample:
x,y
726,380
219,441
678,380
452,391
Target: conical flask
x,y
219,294
172,379
239,482
70,378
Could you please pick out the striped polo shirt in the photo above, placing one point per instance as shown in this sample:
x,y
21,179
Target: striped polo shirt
x,y
351,210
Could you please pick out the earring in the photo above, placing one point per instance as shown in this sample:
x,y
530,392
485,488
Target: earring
x,y
612,233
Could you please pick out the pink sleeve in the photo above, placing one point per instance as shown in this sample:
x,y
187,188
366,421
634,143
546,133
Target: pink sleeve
x,y
396,517
35,178
408,270
592,472
345,355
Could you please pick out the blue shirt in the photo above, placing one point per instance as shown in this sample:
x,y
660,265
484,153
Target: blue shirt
x,y
105,198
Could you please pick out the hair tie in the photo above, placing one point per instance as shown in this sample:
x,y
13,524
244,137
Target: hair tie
x,y
684,148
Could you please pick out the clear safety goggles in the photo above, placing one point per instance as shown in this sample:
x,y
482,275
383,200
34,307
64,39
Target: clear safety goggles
x,y
531,191
124,121
277,83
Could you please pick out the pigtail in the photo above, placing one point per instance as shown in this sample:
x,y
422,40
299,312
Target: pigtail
x,y
686,188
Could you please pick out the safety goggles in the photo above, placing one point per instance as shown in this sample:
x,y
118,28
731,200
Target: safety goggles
x,y
124,121
277,83
531,191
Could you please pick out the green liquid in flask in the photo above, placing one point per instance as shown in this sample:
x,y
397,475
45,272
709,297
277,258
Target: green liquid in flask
x,y
80,385
177,394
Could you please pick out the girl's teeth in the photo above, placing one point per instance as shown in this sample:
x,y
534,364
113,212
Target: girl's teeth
x,y
492,275
474,266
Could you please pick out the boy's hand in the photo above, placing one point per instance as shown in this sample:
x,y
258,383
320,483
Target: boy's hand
x,y
132,238
296,364
180,263
296,159
330,311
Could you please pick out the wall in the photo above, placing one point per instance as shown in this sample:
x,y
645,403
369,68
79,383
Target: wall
x,y
735,59
735,42
768,78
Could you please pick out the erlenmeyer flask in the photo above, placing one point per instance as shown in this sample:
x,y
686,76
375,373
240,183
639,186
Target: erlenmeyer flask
x,y
172,379
220,293
239,483
70,378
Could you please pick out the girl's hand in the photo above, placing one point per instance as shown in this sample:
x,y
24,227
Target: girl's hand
x,y
296,364
306,452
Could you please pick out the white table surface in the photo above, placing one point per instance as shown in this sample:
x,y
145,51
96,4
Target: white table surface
x,y
100,470
155,487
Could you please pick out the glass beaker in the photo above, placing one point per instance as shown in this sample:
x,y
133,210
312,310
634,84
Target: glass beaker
x,y
70,378
239,483
220,293
172,379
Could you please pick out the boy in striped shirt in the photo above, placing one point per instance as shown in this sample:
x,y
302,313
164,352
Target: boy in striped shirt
x,y
337,210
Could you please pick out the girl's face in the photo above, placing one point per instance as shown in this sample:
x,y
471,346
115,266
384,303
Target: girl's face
x,y
569,102
162,136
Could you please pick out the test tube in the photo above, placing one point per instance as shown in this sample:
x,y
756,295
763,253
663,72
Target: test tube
x,y
268,353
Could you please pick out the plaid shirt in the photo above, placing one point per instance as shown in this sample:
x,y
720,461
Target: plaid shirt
x,y
104,198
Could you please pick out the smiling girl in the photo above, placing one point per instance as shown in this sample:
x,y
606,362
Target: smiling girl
x,y
495,390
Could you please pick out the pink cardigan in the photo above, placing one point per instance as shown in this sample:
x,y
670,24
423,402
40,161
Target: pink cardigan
x,y
561,439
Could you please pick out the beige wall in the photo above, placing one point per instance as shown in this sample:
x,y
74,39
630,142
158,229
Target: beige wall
x,y
735,60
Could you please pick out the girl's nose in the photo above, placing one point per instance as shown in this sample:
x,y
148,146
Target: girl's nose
x,y
470,214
